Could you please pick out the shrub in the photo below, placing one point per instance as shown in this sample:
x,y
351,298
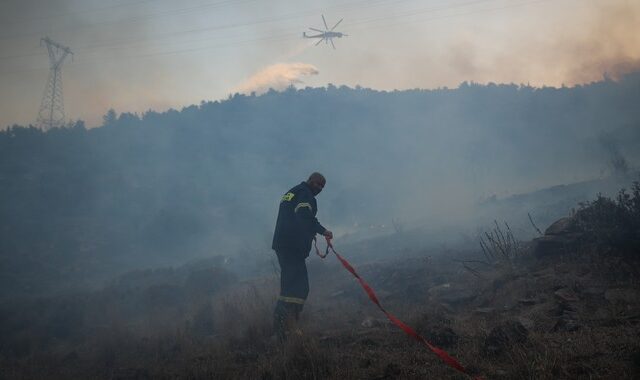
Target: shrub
x,y
499,246
614,222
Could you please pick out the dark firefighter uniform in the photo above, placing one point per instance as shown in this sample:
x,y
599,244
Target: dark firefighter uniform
x,y
295,229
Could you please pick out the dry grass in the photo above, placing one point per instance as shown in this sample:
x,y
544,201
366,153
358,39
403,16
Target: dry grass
x,y
226,335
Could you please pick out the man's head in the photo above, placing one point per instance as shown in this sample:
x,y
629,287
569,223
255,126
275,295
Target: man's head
x,y
316,182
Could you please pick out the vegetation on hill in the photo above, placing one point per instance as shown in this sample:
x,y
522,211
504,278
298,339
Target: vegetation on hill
x,y
158,188
613,223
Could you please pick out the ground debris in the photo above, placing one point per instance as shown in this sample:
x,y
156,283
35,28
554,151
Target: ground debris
x,y
505,335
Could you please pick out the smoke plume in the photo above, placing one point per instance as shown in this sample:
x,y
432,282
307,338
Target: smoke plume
x,y
608,44
278,77
599,40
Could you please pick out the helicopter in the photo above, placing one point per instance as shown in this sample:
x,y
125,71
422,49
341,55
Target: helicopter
x,y
326,35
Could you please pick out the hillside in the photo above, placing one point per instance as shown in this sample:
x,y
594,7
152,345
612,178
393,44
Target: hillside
x,y
565,305
81,205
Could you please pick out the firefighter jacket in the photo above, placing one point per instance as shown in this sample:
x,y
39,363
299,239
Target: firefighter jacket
x,y
297,224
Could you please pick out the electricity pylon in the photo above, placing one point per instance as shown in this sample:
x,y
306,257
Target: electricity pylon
x,y
51,112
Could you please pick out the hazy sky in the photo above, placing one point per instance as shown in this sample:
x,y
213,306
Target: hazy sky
x,y
137,55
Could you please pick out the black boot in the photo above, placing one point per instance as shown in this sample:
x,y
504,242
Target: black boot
x,y
280,316
295,310
293,327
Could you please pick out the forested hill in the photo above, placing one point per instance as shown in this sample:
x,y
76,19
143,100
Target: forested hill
x,y
164,187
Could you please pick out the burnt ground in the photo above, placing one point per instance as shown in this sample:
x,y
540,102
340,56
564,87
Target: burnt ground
x,y
569,314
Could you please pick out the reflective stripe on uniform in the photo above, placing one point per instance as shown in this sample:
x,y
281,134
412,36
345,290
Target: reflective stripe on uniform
x,y
288,197
303,204
299,301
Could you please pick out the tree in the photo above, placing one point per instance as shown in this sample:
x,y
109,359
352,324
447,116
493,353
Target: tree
x,y
110,117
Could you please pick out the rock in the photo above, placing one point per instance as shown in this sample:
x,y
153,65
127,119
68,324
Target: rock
x,y
382,294
526,322
561,237
567,313
505,335
547,272
503,280
562,268
391,371
594,291
368,342
527,301
579,371
71,357
484,310
622,295
368,323
365,362
549,245
566,323
501,372
602,314
371,322
564,309
452,295
131,373
635,358
562,226
446,308
442,336
566,295
583,270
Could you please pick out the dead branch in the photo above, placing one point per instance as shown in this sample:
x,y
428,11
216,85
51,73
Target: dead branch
x,y
534,225
473,271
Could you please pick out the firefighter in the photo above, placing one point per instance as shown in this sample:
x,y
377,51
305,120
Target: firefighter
x,y
296,227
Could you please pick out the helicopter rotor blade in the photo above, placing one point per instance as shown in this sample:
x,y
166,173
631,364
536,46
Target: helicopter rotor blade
x,y
334,46
318,43
337,24
325,23
318,30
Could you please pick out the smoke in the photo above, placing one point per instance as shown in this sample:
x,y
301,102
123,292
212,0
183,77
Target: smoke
x,y
617,162
601,40
278,77
608,45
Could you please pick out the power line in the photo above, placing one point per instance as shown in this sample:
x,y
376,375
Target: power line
x,y
357,5
408,14
292,35
267,20
76,13
279,37
486,10
172,12
418,11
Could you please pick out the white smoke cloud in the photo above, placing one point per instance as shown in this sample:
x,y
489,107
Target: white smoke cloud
x,y
278,77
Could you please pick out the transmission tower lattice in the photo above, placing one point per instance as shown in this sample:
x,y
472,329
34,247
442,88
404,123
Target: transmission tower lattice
x,y
51,112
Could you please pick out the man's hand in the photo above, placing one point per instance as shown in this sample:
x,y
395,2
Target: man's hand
x,y
328,234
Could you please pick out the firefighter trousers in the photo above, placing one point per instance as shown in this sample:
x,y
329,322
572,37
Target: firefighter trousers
x,y
294,288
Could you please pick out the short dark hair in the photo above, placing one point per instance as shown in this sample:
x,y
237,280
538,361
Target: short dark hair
x,y
315,176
